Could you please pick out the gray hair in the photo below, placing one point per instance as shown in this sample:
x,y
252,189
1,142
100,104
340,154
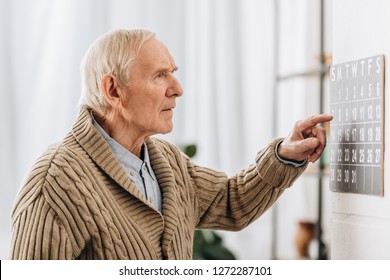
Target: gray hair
x,y
112,53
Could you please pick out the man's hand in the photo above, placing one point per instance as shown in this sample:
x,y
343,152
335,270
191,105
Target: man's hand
x,y
307,140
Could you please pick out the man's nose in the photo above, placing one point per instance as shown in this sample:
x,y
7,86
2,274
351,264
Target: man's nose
x,y
175,88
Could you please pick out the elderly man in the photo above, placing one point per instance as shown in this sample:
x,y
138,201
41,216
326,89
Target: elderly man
x,y
109,190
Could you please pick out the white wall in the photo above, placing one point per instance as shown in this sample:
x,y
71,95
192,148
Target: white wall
x,y
361,223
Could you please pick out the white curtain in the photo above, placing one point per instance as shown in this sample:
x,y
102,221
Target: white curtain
x,y
224,50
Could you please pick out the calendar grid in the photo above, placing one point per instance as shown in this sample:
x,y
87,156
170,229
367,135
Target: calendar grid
x,y
356,132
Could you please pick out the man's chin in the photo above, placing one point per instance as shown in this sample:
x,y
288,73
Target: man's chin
x,y
166,130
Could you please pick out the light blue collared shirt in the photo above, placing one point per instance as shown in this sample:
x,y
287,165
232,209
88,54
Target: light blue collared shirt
x,y
139,171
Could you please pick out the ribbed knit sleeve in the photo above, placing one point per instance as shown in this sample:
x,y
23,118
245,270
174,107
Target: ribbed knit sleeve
x,y
232,203
38,232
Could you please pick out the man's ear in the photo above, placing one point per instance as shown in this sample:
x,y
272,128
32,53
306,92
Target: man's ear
x,y
111,90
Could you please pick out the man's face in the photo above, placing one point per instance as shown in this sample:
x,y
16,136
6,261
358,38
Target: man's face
x,y
151,95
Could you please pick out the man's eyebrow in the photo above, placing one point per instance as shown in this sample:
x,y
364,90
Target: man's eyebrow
x,y
167,69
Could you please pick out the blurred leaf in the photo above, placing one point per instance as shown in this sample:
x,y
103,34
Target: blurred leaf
x,y
189,150
208,245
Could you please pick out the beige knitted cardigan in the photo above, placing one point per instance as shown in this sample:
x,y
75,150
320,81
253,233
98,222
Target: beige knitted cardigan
x,y
79,203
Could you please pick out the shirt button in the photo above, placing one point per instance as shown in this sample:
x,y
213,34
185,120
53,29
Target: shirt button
x,y
132,173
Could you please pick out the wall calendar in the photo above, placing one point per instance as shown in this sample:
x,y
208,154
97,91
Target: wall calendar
x,y
356,141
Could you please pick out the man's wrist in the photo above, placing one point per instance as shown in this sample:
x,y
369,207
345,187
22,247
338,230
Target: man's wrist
x,y
288,161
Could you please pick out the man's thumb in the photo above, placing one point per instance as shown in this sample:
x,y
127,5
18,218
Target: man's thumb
x,y
307,144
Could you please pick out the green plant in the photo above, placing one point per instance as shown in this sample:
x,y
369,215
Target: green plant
x,y
208,245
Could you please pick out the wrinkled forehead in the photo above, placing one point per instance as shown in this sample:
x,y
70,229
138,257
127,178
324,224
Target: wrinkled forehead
x,y
154,52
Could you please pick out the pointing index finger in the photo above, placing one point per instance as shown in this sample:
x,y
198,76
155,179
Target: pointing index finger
x,y
313,121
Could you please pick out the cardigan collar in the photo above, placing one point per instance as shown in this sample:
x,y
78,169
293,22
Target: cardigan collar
x,y
99,151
